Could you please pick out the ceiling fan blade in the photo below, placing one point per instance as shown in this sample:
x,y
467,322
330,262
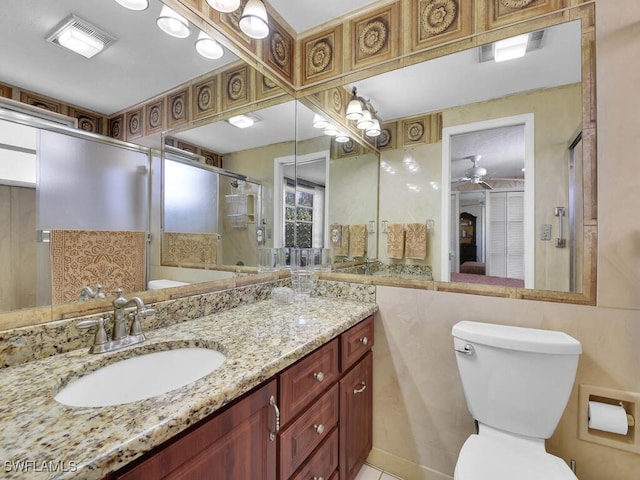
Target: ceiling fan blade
x,y
485,185
460,180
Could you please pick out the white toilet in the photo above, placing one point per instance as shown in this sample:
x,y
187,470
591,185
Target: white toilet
x,y
517,382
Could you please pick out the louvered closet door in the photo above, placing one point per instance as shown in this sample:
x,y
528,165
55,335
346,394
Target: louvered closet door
x,y
515,235
505,234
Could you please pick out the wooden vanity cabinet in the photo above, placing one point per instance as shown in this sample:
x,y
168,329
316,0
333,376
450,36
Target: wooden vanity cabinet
x,y
326,409
234,444
325,405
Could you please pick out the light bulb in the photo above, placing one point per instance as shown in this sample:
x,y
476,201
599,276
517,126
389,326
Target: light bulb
x,y
208,47
224,6
172,23
253,21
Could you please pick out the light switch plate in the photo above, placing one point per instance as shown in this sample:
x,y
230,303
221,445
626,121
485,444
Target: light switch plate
x,y
545,232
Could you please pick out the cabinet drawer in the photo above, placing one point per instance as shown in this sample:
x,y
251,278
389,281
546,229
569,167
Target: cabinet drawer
x,y
323,462
356,341
300,438
303,382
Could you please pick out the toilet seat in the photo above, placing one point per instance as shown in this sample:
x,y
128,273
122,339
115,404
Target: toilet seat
x,y
501,457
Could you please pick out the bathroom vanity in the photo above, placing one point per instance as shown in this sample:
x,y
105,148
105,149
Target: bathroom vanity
x,y
295,385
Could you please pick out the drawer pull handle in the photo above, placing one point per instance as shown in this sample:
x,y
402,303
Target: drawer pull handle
x,y
318,478
319,376
361,389
364,341
319,429
272,435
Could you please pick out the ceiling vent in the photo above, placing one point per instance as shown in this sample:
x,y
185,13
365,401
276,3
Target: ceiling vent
x,y
80,36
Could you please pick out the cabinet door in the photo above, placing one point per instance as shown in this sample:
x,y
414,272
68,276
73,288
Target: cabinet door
x,y
235,444
356,419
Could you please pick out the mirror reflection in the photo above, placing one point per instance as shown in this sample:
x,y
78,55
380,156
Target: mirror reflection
x,y
439,208
307,185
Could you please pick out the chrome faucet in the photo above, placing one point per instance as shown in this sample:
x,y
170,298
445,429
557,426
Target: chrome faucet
x,y
119,336
87,294
368,263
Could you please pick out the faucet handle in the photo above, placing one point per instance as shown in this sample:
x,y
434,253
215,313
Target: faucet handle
x,y
118,291
101,333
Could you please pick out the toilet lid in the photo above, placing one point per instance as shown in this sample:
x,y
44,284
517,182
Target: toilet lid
x,y
488,459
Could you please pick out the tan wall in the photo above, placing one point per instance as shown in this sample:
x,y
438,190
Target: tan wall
x,y
353,195
17,247
557,114
420,418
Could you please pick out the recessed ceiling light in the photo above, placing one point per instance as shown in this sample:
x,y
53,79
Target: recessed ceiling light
x,y
80,36
244,121
510,48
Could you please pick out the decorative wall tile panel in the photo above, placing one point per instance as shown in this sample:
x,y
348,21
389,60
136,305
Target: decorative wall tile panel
x,y
499,13
154,117
236,87
265,87
278,50
205,96
177,108
438,21
416,130
40,102
187,147
193,250
134,123
376,37
212,158
346,149
87,121
387,140
322,56
88,257
5,91
337,101
436,127
116,127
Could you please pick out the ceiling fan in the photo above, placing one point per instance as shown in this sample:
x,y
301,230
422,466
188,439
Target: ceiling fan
x,y
474,174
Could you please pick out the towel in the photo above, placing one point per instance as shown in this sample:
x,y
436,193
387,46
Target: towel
x,y
416,241
395,240
358,240
193,250
340,233
82,258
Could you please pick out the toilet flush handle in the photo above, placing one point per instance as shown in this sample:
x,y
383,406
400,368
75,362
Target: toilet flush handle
x,y
467,349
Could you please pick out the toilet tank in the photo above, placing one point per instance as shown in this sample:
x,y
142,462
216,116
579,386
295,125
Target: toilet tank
x,y
516,379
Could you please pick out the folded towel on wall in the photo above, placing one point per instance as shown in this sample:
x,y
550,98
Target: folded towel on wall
x,y
340,240
416,241
79,258
358,240
395,240
193,250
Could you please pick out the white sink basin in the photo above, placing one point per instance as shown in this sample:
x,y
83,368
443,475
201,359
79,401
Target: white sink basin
x,y
140,377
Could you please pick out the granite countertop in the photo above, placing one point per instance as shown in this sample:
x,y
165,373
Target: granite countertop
x,y
42,439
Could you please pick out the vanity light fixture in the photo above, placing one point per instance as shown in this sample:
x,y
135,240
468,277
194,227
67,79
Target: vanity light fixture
x,y
224,6
366,121
331,130
319,121
342,137
208,47
80,37
137,5
374,130
354,108
172,23
254,21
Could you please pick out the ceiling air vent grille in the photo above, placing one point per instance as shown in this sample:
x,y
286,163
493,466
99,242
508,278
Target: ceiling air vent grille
x,y
83,26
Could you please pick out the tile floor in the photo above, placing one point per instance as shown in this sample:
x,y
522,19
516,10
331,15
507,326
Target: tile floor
x,y
367,472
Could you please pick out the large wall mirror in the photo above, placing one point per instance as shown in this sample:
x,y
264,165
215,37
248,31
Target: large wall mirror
x,y
441,161
485,156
